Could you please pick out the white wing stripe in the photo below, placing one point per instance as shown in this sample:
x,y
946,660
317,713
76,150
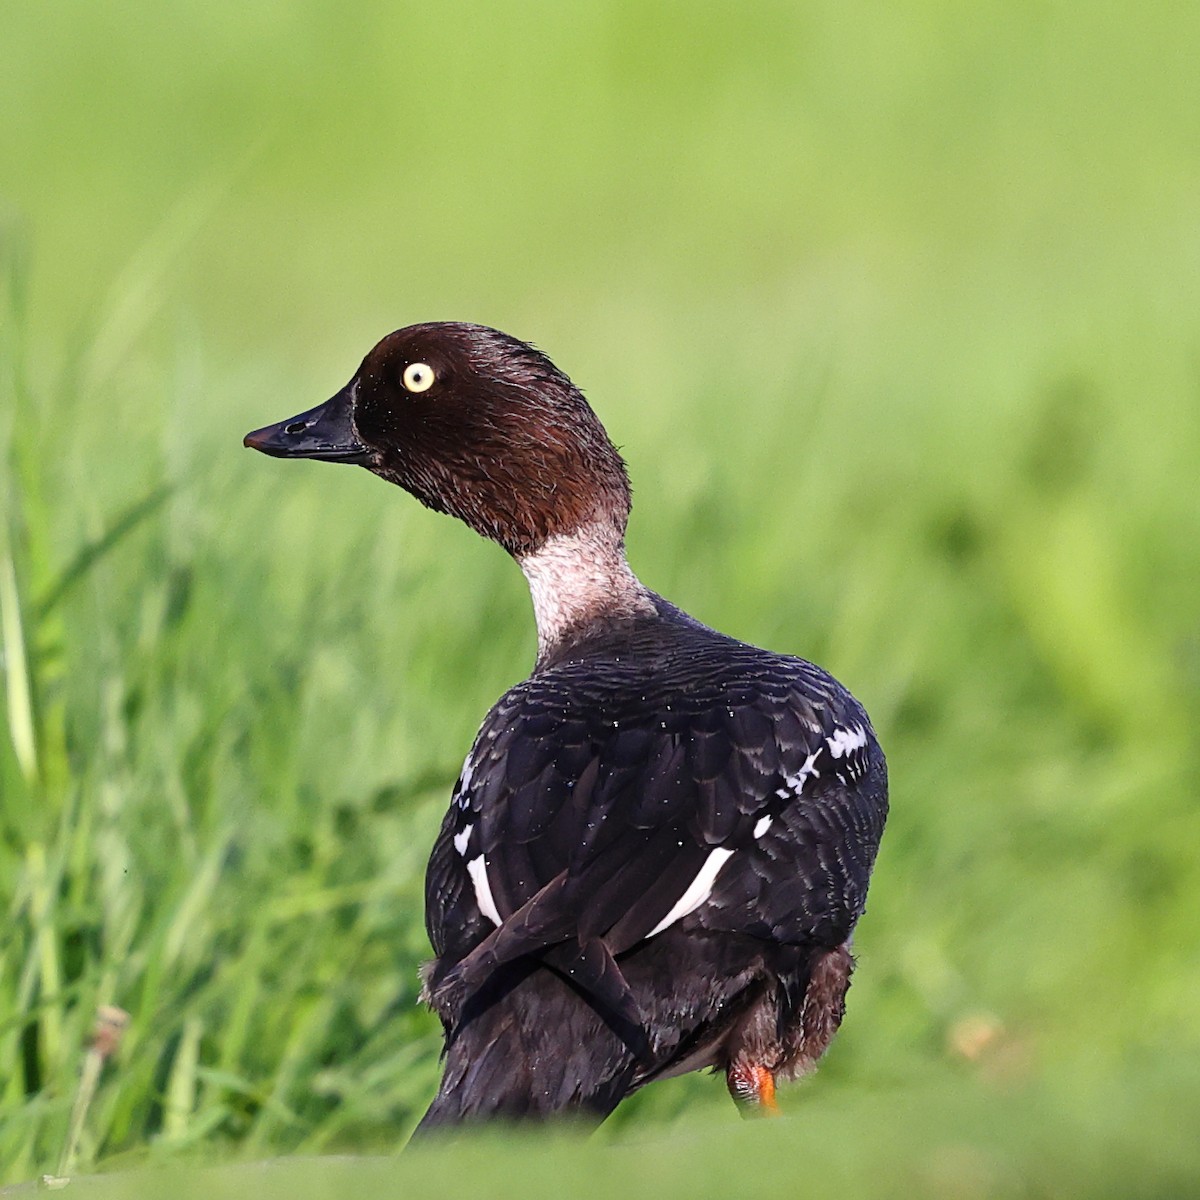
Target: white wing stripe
x,y
483,891
697,892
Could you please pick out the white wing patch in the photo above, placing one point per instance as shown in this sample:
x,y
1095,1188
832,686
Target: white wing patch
x,y
793,785
762,825
461,839
698,891
464,783
846,741
483,891
848,744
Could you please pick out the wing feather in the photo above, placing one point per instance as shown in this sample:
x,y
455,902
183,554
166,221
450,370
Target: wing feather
x,y
600,799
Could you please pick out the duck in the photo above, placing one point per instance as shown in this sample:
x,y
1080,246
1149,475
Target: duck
x,y
660,842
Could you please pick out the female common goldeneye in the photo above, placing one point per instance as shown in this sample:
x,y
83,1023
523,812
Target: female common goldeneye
x,y
660,842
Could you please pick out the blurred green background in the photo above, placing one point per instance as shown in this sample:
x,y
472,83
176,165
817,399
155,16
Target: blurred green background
x,y
893,310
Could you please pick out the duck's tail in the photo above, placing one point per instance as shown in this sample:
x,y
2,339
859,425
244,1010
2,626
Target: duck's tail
x,y
529,1045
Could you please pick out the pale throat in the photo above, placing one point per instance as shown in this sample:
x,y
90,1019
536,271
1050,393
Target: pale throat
x,y
580,580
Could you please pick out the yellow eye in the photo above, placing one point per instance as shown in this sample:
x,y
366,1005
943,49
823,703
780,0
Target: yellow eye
x,y
418,377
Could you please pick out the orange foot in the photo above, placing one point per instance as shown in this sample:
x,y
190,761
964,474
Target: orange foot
x,y
753,1089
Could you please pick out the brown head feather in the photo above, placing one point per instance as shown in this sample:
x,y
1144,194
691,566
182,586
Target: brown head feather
x,y
502,439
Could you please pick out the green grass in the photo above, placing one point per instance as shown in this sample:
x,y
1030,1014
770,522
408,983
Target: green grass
x,y
894,314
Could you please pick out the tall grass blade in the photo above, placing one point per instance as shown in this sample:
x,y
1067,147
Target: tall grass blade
x,y
180,1100
138,293
93,552
18,682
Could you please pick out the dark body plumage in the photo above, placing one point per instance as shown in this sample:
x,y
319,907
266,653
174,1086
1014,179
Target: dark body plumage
x,y
597,790
661,841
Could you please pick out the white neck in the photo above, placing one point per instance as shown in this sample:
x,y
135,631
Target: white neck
x,y
577,579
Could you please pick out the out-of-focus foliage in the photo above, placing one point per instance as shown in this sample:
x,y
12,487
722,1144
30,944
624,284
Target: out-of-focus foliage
x,y
894,312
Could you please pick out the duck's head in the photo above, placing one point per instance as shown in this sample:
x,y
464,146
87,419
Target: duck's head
x,y
473,423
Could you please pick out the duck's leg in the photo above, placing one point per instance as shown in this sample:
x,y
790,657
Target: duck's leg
x,y
752,1087
807,1034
